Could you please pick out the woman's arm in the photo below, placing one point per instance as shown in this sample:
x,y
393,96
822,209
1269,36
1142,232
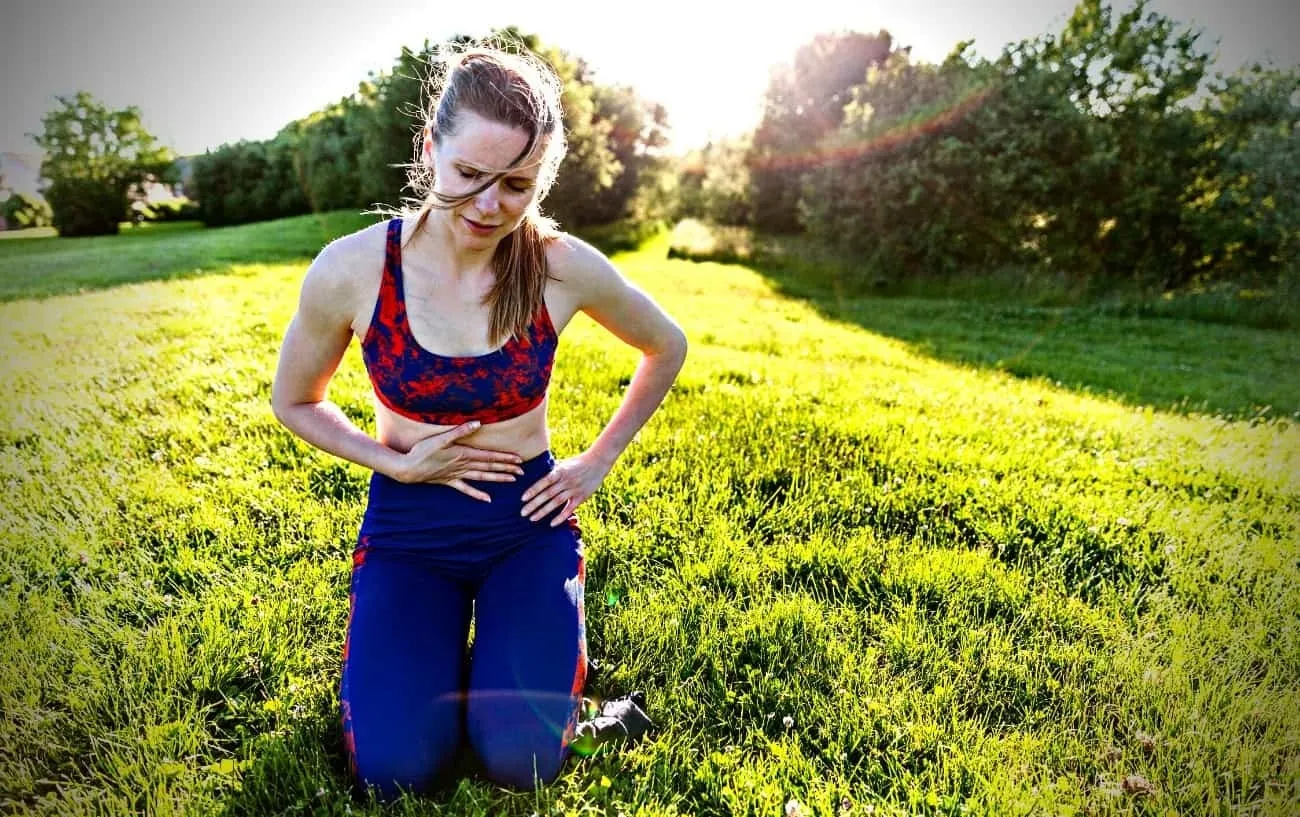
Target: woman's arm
x,y
633,317
313,346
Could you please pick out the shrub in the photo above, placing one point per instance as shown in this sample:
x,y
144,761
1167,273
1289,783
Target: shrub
x,y
22,211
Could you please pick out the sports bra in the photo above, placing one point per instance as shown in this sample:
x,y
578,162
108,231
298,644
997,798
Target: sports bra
x,y
430,388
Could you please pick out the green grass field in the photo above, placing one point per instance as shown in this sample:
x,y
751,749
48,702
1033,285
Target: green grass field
x,y
853,561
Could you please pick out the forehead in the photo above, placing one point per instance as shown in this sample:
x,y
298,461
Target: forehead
x,y
489,145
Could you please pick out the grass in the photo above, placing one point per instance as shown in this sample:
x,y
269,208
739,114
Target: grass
x,y
28,232
43,265
847,572
803,266
32,265
1140,353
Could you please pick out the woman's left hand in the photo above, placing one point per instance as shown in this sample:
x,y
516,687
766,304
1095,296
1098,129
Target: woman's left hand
x,y
566,487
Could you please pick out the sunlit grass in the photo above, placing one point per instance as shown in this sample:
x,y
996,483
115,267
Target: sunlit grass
x,y
29,232
1138,352
846,573
43,266
803,266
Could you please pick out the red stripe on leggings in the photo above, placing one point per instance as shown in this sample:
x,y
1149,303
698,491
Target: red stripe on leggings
x,y
580,669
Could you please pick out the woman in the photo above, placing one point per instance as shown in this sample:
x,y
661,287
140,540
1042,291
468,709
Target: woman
x,y
458,308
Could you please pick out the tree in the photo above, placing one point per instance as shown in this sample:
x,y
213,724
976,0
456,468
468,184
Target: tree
x,y
715,182
590,167
396,103
93,159
638,131
804,102
1245,209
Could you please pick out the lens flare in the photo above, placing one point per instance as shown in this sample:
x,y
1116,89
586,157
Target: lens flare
x,y
837,151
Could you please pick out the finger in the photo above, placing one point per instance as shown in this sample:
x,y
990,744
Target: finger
x,y
503,467
481,465
488,476
488,455
548,508
565,512
450,436
542,498
539,485
460,485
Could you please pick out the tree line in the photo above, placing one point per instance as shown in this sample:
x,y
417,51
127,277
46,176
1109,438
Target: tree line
x,y
352,154
1102,153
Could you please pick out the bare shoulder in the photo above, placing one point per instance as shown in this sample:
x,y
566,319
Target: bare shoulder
x,y
583,270
344,274
347,257
591,283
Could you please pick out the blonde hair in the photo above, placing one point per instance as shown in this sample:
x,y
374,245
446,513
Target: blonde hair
x,y
518,89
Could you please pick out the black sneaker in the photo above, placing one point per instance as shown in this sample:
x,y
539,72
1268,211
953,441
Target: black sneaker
x,y
620,719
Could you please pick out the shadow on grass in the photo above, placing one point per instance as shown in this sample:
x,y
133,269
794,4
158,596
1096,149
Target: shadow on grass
x,y
1167,363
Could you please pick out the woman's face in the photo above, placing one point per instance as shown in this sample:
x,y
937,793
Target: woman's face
x,y
464,160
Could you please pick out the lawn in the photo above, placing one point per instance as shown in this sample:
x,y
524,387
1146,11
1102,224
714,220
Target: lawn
x,y
37,264
853,561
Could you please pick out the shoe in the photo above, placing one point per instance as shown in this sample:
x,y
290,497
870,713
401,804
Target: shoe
x,y
620,719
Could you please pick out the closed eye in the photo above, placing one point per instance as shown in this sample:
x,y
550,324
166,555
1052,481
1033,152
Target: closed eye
x,y
517,185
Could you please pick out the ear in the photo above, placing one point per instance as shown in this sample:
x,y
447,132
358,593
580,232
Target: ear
x,y
426,148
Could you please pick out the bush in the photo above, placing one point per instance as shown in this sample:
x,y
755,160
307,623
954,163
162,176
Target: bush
x,y
695,240
86,207
177,209
250,181
715,184
620,236
1069,156
21,211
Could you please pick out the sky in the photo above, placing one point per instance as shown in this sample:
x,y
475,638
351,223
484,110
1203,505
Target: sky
x,y
204,74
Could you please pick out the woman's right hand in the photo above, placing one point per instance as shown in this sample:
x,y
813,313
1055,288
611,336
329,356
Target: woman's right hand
x,y
440,459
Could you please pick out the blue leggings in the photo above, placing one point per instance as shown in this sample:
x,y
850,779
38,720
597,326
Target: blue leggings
x,y
413,692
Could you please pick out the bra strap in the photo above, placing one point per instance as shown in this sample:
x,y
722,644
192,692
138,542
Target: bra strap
x,y
393,261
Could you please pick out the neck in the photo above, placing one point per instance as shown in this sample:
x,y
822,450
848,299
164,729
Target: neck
x,y
450,251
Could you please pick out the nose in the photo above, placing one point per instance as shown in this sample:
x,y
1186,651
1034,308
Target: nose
x,y
487,201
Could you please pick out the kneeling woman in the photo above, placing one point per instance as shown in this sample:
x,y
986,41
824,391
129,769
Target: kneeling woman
x,y
458,307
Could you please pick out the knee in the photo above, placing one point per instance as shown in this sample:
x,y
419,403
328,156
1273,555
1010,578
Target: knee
x,y
392,758
518,760
389,772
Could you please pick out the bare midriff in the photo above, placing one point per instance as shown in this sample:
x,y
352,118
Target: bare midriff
x,y
525,436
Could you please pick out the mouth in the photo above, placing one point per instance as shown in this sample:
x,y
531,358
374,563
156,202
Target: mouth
x,y
478,228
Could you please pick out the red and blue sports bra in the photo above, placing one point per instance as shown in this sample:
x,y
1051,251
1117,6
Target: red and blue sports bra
x,y
430,388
